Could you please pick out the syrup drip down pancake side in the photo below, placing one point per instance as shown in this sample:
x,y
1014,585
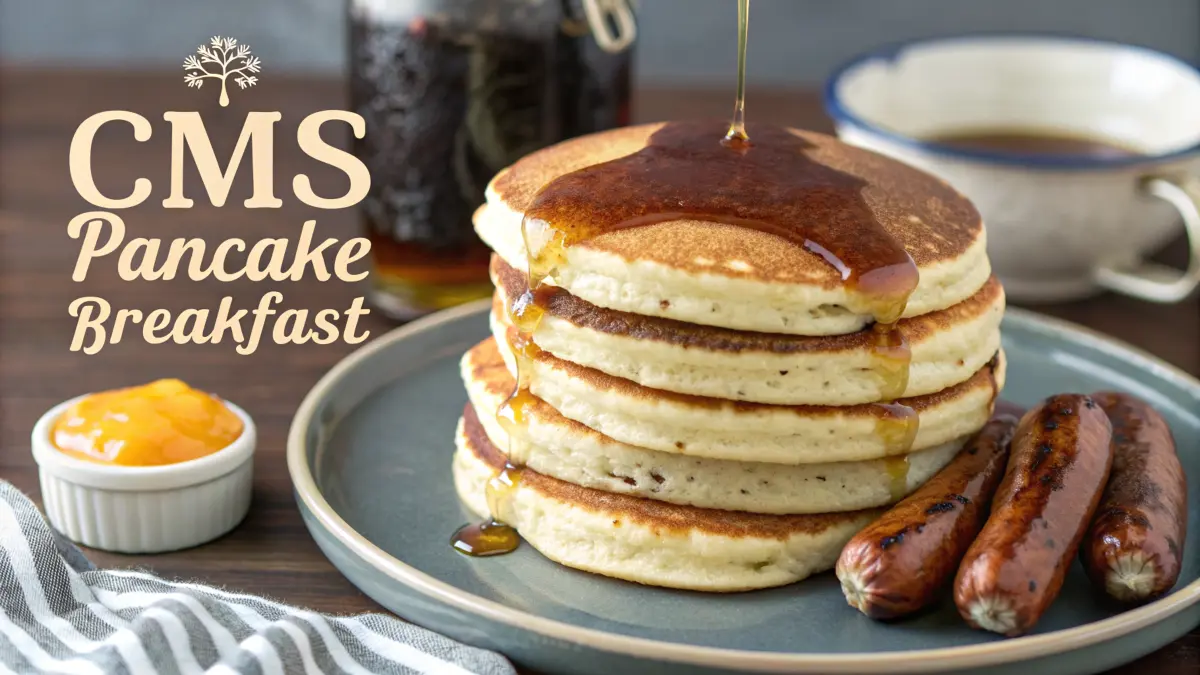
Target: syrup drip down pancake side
x,y
756,432
569,451
648,541
948,347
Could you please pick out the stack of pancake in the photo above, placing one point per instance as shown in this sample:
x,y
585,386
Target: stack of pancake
x,y
707,407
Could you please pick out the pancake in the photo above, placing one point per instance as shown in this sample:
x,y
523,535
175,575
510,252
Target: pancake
x,y
948,347
564,449
652,542
752,432
722,275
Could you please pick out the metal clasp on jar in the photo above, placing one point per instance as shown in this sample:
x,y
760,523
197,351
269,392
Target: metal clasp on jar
x,y
613,23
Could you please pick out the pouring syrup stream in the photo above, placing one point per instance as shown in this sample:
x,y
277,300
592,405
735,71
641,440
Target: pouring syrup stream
x,y
736,136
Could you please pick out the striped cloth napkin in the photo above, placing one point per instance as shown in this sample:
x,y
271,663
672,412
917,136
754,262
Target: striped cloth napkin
x,y
58,614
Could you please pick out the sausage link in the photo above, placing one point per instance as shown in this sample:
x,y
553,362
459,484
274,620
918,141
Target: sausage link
x,y
897,564
1134,547
1060,459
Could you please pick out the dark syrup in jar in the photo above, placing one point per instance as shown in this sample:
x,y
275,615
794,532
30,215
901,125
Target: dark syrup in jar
x,y
450,97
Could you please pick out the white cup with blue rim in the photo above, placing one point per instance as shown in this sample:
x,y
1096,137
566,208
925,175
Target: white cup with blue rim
x,y
1060,226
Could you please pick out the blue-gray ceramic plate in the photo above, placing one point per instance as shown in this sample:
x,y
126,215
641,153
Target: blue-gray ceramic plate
x,y
369,453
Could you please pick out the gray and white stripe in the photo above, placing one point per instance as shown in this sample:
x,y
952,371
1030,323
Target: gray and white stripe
x,y
58,614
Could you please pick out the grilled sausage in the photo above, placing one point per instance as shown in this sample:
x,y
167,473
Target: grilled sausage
x,y
1134,547
897,564
1060,459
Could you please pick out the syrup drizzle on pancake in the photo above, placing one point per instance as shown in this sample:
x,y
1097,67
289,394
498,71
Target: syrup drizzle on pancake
x,y
760,178
736,136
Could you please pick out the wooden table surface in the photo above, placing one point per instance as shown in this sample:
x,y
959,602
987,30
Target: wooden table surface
x,y
271,553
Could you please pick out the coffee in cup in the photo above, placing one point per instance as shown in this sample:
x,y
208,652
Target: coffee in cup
x,y
1082,155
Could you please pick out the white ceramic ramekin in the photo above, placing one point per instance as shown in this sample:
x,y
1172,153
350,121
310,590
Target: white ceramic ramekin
x,y
144,509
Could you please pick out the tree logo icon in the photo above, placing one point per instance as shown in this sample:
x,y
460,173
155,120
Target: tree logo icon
x,y
227,58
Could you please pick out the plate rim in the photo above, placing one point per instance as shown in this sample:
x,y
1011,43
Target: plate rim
x,y
965,656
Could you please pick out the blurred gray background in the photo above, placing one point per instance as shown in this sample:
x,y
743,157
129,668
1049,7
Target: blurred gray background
x,y
683,42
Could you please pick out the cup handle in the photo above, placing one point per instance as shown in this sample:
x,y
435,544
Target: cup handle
x,y
1151,281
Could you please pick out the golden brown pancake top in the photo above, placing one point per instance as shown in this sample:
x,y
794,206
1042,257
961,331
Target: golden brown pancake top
x,y
661,516
561,304
931,220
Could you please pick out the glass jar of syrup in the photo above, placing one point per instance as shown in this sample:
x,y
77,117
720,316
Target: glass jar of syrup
x,y
452,91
